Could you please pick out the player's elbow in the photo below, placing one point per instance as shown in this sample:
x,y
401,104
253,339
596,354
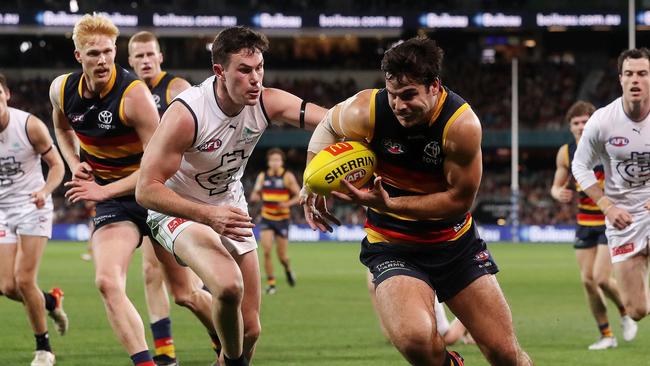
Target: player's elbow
x,y
143,193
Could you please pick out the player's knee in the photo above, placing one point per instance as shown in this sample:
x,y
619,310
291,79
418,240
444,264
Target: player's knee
x,y
230,293
106,285
24,281
186,299
151,273
588,282
9,289
503,353
637,311
252,331
416,345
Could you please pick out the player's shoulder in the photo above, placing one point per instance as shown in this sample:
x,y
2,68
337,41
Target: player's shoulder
x,y
358,105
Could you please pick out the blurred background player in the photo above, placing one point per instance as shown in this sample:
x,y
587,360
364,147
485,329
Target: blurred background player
x,y
617,137
108,113
146,59
279,190
26,218
590,243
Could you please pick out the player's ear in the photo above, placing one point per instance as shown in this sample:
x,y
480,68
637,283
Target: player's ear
x,y
77,55
218,70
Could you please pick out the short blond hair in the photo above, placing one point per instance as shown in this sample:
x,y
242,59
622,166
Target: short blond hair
x,y
92,25
144,37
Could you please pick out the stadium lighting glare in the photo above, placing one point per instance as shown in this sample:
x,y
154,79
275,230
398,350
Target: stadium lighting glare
x,y
530,43
25,46
74,7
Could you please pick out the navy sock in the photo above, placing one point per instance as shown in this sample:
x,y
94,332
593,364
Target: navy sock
x,y
216,343
50,301
43,342
241,361
142,359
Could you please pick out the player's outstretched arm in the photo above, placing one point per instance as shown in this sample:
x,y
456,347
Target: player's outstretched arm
x,y
286,107
559,189
292,185
42,142
161,160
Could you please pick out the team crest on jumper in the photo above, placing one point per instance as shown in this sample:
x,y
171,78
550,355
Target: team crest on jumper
x,y
432,152
394,147
635,170
10,170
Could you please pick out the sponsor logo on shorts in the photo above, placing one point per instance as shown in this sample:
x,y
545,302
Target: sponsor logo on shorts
x,y
619,141
3,233
482,256
386,266
174,224
42,219
623,249
102,218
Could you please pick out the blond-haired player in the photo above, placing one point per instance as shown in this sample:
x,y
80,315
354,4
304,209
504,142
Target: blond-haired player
x,y
103,117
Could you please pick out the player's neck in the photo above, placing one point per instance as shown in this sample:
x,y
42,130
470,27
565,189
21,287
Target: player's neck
x,y
637,111
226,104
93,88
4,119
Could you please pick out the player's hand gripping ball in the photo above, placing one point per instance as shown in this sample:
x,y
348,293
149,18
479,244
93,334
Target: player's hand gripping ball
x,y
351,160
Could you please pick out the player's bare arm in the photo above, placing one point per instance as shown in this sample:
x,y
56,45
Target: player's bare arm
x,y
65,135
139,112
291,183
257,188
42,142
176,86
285,107
161,160
559,190
462,170
349,119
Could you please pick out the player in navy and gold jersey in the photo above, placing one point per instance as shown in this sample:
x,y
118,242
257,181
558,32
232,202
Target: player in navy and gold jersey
x,y
279,190
145,58
103,118
421,239
592,252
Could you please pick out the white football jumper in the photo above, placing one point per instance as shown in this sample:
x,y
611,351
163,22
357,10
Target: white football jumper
x,y
211,169
623,147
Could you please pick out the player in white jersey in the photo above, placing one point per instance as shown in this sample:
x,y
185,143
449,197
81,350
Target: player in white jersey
x,y
26,218
190,181
618,136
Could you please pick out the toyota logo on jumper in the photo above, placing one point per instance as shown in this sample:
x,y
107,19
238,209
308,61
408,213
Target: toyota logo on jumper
x,y
105,117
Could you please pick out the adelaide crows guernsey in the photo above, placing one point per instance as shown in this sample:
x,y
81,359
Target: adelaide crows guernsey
x,y
410,162
274,191
588,212
112,148
160,91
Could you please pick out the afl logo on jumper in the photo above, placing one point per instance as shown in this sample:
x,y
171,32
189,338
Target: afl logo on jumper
x,y
211,145
618,141
432,153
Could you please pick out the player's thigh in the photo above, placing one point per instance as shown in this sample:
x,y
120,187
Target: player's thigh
x,y
8,253
201,248
113,247
282,244
586,258
483,309
266,239
150,263
405,318
30,251
180,279
632,279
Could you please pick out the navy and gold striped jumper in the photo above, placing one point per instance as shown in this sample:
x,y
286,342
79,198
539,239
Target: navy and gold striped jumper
x,y
108,145
161,92
590,220
274,191
446,253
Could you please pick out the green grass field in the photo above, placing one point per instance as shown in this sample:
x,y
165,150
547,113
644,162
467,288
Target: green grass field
x,y
327,319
